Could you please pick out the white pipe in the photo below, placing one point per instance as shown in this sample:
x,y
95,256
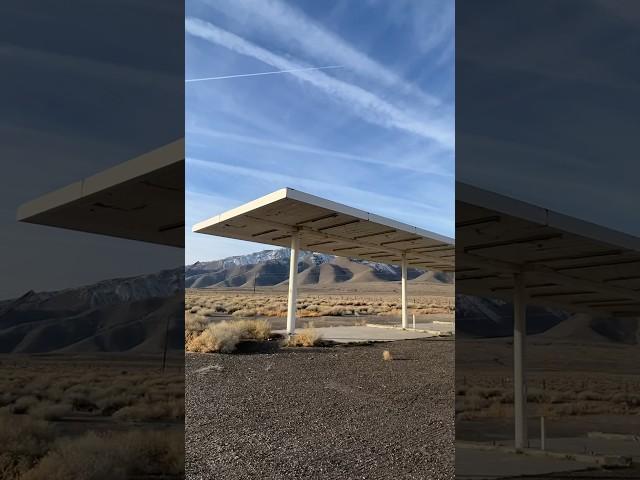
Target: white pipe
x,y
405,319
519,343
414,321
293,284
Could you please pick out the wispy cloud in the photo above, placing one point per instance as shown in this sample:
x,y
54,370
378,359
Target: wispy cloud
x,y
424,168
360,101
299,31
358,196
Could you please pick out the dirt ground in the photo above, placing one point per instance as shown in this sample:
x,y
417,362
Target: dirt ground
x,y
322,413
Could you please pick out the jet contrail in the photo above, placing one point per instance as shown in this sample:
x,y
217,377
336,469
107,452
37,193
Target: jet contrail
x,y
262,73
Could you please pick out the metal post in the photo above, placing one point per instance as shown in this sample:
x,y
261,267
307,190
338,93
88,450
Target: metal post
x,y
542,434
519,343
405,319
414,321
293,284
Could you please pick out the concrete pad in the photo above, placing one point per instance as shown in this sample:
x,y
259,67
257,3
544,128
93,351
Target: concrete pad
x,y
433,328
592,446
473,463
349,334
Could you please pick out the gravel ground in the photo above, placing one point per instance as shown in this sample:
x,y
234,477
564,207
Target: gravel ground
x,y
322,413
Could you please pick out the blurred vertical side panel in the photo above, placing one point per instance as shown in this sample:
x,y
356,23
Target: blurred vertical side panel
x,y
92,242
547,239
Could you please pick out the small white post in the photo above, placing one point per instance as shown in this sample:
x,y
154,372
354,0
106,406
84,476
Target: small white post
x,y
293,284
405,319
519,343
414,321
542,433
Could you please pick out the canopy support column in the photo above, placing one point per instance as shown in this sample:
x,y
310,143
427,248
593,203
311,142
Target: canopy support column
x,y
293,283
519,377
405,316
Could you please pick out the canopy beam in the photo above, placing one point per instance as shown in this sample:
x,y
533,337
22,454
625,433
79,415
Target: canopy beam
x,y
329,236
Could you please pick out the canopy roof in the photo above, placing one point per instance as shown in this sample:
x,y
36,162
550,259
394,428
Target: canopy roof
x,y
568,263
141,199
329,227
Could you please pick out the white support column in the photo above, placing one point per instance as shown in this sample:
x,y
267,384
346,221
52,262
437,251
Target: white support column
x,y
405,316
519,344
293,284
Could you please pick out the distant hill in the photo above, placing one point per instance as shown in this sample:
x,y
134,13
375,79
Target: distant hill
x,y
485,318
117,315
271,267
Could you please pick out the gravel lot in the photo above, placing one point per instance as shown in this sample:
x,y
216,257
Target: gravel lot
x,y
322,413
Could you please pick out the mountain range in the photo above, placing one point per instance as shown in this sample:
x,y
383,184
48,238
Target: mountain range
x,y
116,315
139,314
485,317
271,267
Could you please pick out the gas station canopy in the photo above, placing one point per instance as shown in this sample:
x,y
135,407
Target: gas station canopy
x,y
328,227
567,263
140,199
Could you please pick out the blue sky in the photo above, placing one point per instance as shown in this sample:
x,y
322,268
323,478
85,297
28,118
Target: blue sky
x,y
72,109
377,133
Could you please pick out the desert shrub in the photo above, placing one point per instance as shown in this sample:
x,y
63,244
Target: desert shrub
x,y
474,403
485,392
7,398
506,397
221,337
51,411
224,336
535,395
112,403
258,329
625,398
123,455
336,311
245,312
23,441
23,405
145,412
561,397
307,337
195,323
588,395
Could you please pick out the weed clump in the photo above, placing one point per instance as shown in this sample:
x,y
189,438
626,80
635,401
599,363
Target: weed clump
x,y
307,337
224,337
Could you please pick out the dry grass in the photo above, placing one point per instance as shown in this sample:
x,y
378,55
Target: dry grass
x,y
23,442
220,337
307,337
564,379
224,337
123,455
207,303
258,329
53,392
386,356
36,394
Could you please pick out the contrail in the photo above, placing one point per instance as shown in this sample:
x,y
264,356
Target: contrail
x,y
262,73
